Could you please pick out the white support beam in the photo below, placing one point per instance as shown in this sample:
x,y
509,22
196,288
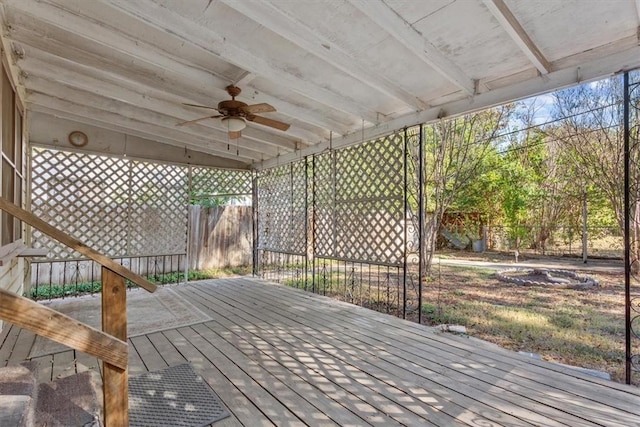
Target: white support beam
x,y
273,17
589,70
510,24
146,130
151,13
217,138
37,69
7,51
111,66
139,60
51,131
136,89
245,79
398,28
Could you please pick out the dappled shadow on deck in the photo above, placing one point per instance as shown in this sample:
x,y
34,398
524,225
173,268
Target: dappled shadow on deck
x,y
277,355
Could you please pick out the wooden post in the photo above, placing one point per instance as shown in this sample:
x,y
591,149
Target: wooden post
x,y
114,322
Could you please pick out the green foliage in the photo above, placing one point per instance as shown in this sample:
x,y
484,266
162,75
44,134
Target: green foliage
x,y
58,291
212,202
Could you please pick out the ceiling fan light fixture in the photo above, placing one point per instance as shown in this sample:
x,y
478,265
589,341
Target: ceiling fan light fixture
x,y
234,124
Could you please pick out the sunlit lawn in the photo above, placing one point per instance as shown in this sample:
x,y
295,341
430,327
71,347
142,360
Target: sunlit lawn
x,y
577,327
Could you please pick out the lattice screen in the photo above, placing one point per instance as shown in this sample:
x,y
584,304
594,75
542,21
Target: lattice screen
x,y
281,203
157,208
83,195
360,213
324,203
121,207
218,182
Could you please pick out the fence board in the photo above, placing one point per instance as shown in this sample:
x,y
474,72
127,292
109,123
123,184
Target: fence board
x,y
220,236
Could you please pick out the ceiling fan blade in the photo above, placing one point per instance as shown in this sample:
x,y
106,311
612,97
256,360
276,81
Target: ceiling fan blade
x,y
258,108
190,122
200,106
235,135
268,122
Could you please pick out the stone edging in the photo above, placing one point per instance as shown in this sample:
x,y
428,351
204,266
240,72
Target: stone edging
x,y
584,281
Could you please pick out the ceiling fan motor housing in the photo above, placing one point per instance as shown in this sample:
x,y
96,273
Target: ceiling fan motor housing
x,y
232,108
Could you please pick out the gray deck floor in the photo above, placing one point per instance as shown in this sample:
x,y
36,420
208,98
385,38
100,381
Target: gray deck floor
x,y
276,355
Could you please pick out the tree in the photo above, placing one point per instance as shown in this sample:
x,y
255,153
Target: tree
x,y
539,190
454,151
590,130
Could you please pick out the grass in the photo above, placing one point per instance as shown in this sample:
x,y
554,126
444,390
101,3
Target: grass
x,y
577,327
46,291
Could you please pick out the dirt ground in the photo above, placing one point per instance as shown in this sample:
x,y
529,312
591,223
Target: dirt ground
x,y
580,327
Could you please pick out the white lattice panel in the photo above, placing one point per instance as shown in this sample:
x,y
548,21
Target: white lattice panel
x,y
281,206
215,182
120,207
83,195
158,208
359,200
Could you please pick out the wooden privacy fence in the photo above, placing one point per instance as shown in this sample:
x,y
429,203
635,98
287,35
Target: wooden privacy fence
x,y
220,236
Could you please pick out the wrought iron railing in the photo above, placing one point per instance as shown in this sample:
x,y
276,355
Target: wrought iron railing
x,y
386,288
80,276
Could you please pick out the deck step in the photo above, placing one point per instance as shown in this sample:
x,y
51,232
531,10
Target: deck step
x,y
75,400
18,395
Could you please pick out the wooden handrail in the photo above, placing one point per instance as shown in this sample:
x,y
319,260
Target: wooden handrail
x,y
61,328
75,244
110,345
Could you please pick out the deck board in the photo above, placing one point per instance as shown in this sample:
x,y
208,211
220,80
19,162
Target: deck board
x,y
347,375
374,363
243,408
85,362
280,356
470,373
64,364
10,336
494,360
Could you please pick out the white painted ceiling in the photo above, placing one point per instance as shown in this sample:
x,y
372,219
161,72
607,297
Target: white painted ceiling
x,y
344,70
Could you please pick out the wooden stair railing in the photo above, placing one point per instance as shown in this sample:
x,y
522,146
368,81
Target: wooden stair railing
x,y
110,344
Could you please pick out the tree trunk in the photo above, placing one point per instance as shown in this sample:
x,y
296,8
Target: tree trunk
x,y
429,240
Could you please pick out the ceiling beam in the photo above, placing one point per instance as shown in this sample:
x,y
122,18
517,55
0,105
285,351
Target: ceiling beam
x,y
272,17
145,130
37,68
510,24
137,60
378,12
10,55
172,92
151,13
246,78
592,69
215,139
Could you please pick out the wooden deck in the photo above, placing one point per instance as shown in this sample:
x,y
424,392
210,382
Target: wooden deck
x,y
276,355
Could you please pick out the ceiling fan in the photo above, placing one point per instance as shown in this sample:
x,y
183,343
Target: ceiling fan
x,y
235,114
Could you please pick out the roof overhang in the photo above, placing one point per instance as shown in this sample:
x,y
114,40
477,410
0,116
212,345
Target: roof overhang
x,y
345,70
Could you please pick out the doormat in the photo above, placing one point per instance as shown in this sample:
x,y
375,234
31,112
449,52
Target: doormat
x,y
174,396
146,313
